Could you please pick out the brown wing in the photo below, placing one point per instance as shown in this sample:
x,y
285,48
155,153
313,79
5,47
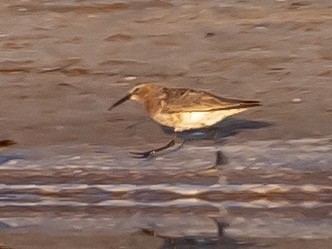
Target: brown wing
x,y
188,100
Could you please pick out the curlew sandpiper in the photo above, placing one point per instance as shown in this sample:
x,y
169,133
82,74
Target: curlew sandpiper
x,y
183,108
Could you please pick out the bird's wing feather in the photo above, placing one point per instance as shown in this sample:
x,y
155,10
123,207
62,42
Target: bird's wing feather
x,y
188,100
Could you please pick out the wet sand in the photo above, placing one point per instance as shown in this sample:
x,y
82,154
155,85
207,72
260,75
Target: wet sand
x,y
62,65
70,183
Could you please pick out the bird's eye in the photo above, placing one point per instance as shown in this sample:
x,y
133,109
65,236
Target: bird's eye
x,y
162,90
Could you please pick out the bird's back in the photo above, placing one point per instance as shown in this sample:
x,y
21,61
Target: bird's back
x,y
185,109
189,100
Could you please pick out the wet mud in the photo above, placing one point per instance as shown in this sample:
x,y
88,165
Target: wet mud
x,y
261,179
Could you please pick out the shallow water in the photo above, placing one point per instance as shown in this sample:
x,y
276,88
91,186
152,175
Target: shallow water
x,y
274,189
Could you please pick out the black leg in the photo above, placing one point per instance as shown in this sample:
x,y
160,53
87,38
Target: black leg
x,y
220,158
146,154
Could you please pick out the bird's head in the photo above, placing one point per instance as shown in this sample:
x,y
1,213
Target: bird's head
x,y
139,93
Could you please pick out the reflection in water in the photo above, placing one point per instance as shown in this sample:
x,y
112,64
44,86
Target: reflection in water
x,y
4,225
219,240
4,159
63,185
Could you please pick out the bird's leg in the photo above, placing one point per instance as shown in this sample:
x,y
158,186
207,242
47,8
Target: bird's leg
x,y
146,154
221,159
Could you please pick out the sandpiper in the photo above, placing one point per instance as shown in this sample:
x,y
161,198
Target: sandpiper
x,y
183,108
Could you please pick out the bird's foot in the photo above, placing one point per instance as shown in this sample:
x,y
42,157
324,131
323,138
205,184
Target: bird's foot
x,y
151,153
142,154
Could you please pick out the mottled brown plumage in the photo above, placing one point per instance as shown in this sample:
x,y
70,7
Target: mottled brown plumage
x,y
184,109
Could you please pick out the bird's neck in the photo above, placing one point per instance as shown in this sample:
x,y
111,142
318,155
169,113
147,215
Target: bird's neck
x,y
151,104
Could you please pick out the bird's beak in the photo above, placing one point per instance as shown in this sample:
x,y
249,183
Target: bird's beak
x,y
120,101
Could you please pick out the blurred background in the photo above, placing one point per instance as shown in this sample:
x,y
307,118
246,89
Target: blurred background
x,y
69,182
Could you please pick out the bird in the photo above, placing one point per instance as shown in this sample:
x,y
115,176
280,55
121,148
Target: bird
x,y
183,108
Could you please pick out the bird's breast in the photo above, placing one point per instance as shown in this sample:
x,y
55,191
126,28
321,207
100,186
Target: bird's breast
x,y
181,121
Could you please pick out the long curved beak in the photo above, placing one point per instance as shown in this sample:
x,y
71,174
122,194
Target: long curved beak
x,y
120,101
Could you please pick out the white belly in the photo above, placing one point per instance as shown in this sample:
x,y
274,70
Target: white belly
x,y
194,120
